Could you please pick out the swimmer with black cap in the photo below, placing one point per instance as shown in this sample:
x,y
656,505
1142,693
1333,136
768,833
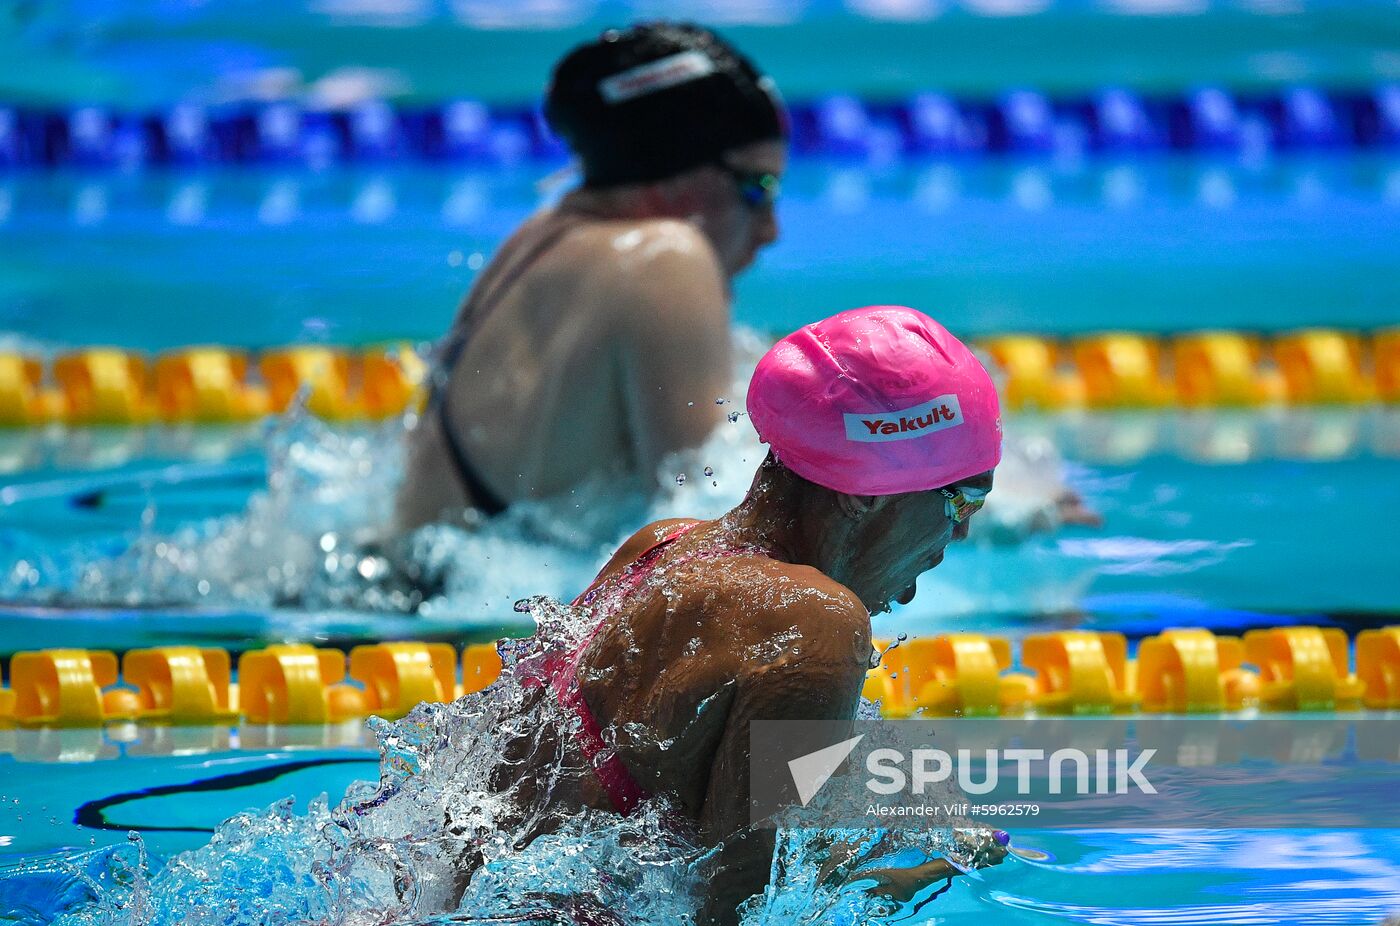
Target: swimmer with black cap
x,y
596,340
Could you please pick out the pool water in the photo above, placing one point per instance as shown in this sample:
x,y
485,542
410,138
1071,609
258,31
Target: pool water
x,y
236,537
1212,518
142,54
1209,522
67,841
1274,527
353,256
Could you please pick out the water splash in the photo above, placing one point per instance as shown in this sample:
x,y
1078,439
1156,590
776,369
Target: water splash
x,y
472,821
317,537
286,546
450,800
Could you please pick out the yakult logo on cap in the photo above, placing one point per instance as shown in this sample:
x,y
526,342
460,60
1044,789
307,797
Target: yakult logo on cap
x,y
934,415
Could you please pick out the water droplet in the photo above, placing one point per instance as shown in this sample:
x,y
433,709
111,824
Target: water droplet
x,y
709,471
680,479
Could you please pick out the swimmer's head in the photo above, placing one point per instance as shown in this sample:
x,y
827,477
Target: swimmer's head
x,y
679,122
900,425
657,100
875,545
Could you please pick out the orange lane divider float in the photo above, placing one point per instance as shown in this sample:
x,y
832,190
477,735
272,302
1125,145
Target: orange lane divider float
x,y
1303,669
1220,369
1386,357
1032,378
1323,368
206,385
64,688
23,401
1187,670
181,684
1075,672
382,382
958,673
102,386
1109,370
481,665
1121,371
1080,672
323,373
1206,369
295,683
398,676
393,377
1378,667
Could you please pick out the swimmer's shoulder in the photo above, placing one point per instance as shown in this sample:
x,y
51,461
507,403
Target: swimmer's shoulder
x,y
770,597
644,540
645,261
647,240
794,589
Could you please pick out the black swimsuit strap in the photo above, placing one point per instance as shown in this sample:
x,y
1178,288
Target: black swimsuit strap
x,y
482,497
469,320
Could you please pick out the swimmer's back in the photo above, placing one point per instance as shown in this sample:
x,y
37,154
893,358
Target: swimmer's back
x,y
566,337
720,640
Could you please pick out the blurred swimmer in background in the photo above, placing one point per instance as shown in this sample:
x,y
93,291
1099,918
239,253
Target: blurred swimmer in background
x,y
597,339
884,431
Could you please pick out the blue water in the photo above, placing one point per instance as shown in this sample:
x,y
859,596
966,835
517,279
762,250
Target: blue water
x,y
68,846
1207,522
1227,521
352,256
135,53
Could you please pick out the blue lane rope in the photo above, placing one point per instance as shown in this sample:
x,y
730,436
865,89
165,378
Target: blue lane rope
x,y
1020,121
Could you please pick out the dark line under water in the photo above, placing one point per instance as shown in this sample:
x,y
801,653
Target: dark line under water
x,y
93,813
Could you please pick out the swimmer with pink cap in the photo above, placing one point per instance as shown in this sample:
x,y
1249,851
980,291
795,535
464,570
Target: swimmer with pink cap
x,y
884,430
877,401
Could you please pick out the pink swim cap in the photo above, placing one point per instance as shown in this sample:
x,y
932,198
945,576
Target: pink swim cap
x,y
877,401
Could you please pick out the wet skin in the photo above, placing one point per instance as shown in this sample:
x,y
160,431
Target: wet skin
x,y
601,354
778,630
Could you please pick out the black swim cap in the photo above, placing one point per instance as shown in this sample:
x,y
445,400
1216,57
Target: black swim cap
x,y
657,99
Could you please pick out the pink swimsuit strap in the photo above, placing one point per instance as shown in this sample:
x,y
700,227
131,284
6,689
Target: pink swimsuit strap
x,y
622,789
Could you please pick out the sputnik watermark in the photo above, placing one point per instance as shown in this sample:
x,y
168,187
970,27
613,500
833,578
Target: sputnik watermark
x,y
1114,770
815,769
1110,772
893,771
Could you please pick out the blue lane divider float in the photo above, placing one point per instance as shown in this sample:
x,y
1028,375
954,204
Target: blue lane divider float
x,y
1020,121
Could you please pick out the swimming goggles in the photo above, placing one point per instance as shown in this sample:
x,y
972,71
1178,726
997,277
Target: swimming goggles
x,y
963,502
756,188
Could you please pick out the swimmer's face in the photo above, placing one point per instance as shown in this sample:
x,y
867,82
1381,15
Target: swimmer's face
x,y
737,228
905,538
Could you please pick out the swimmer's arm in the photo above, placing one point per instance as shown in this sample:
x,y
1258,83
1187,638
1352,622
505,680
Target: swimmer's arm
x,y
904,884
822,683
673,349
